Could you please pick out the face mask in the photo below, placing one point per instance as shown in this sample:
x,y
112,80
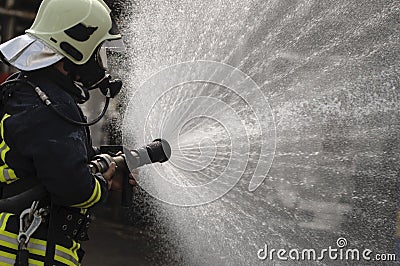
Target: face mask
x,y
93,75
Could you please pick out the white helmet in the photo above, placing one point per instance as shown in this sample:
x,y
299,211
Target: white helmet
x,y
74,28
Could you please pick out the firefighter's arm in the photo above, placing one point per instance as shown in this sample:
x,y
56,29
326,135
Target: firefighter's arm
x,y
62,167
60,158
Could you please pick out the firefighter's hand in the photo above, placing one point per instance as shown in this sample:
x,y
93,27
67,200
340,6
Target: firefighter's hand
x,y
109,175
115,178
118,179
133,179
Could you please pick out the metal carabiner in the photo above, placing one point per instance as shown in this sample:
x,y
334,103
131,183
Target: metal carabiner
x,y
33,209
28,225
25,236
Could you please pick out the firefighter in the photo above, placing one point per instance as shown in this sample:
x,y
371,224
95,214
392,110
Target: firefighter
x,y
44,136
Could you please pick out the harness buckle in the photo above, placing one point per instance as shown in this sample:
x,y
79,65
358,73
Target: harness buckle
x,y
30,220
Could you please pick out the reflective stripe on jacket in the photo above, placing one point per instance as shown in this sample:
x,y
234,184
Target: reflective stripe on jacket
x,y
65,253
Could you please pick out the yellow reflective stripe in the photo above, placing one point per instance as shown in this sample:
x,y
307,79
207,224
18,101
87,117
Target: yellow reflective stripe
x,y
37,242
3,146
7,175
2,215
7,258
1,123
4,151
4,219
74,248
38,247
65,255
31,240
95,197
3,143
35,262
65,261
35,246
6,243
7,239
10,241
77,246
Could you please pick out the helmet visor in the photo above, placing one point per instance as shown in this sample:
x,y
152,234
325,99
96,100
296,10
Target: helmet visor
x,y
114,45
109,45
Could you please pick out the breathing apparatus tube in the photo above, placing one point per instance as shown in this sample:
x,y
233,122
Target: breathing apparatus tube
x,y
46,100
16,204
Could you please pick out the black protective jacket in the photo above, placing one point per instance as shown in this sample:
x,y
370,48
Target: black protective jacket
x,y
38,147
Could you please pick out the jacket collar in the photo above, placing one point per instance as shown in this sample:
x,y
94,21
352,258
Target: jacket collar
x,y
64,82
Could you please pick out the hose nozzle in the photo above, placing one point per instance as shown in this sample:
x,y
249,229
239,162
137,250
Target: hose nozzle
x,y
158,151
